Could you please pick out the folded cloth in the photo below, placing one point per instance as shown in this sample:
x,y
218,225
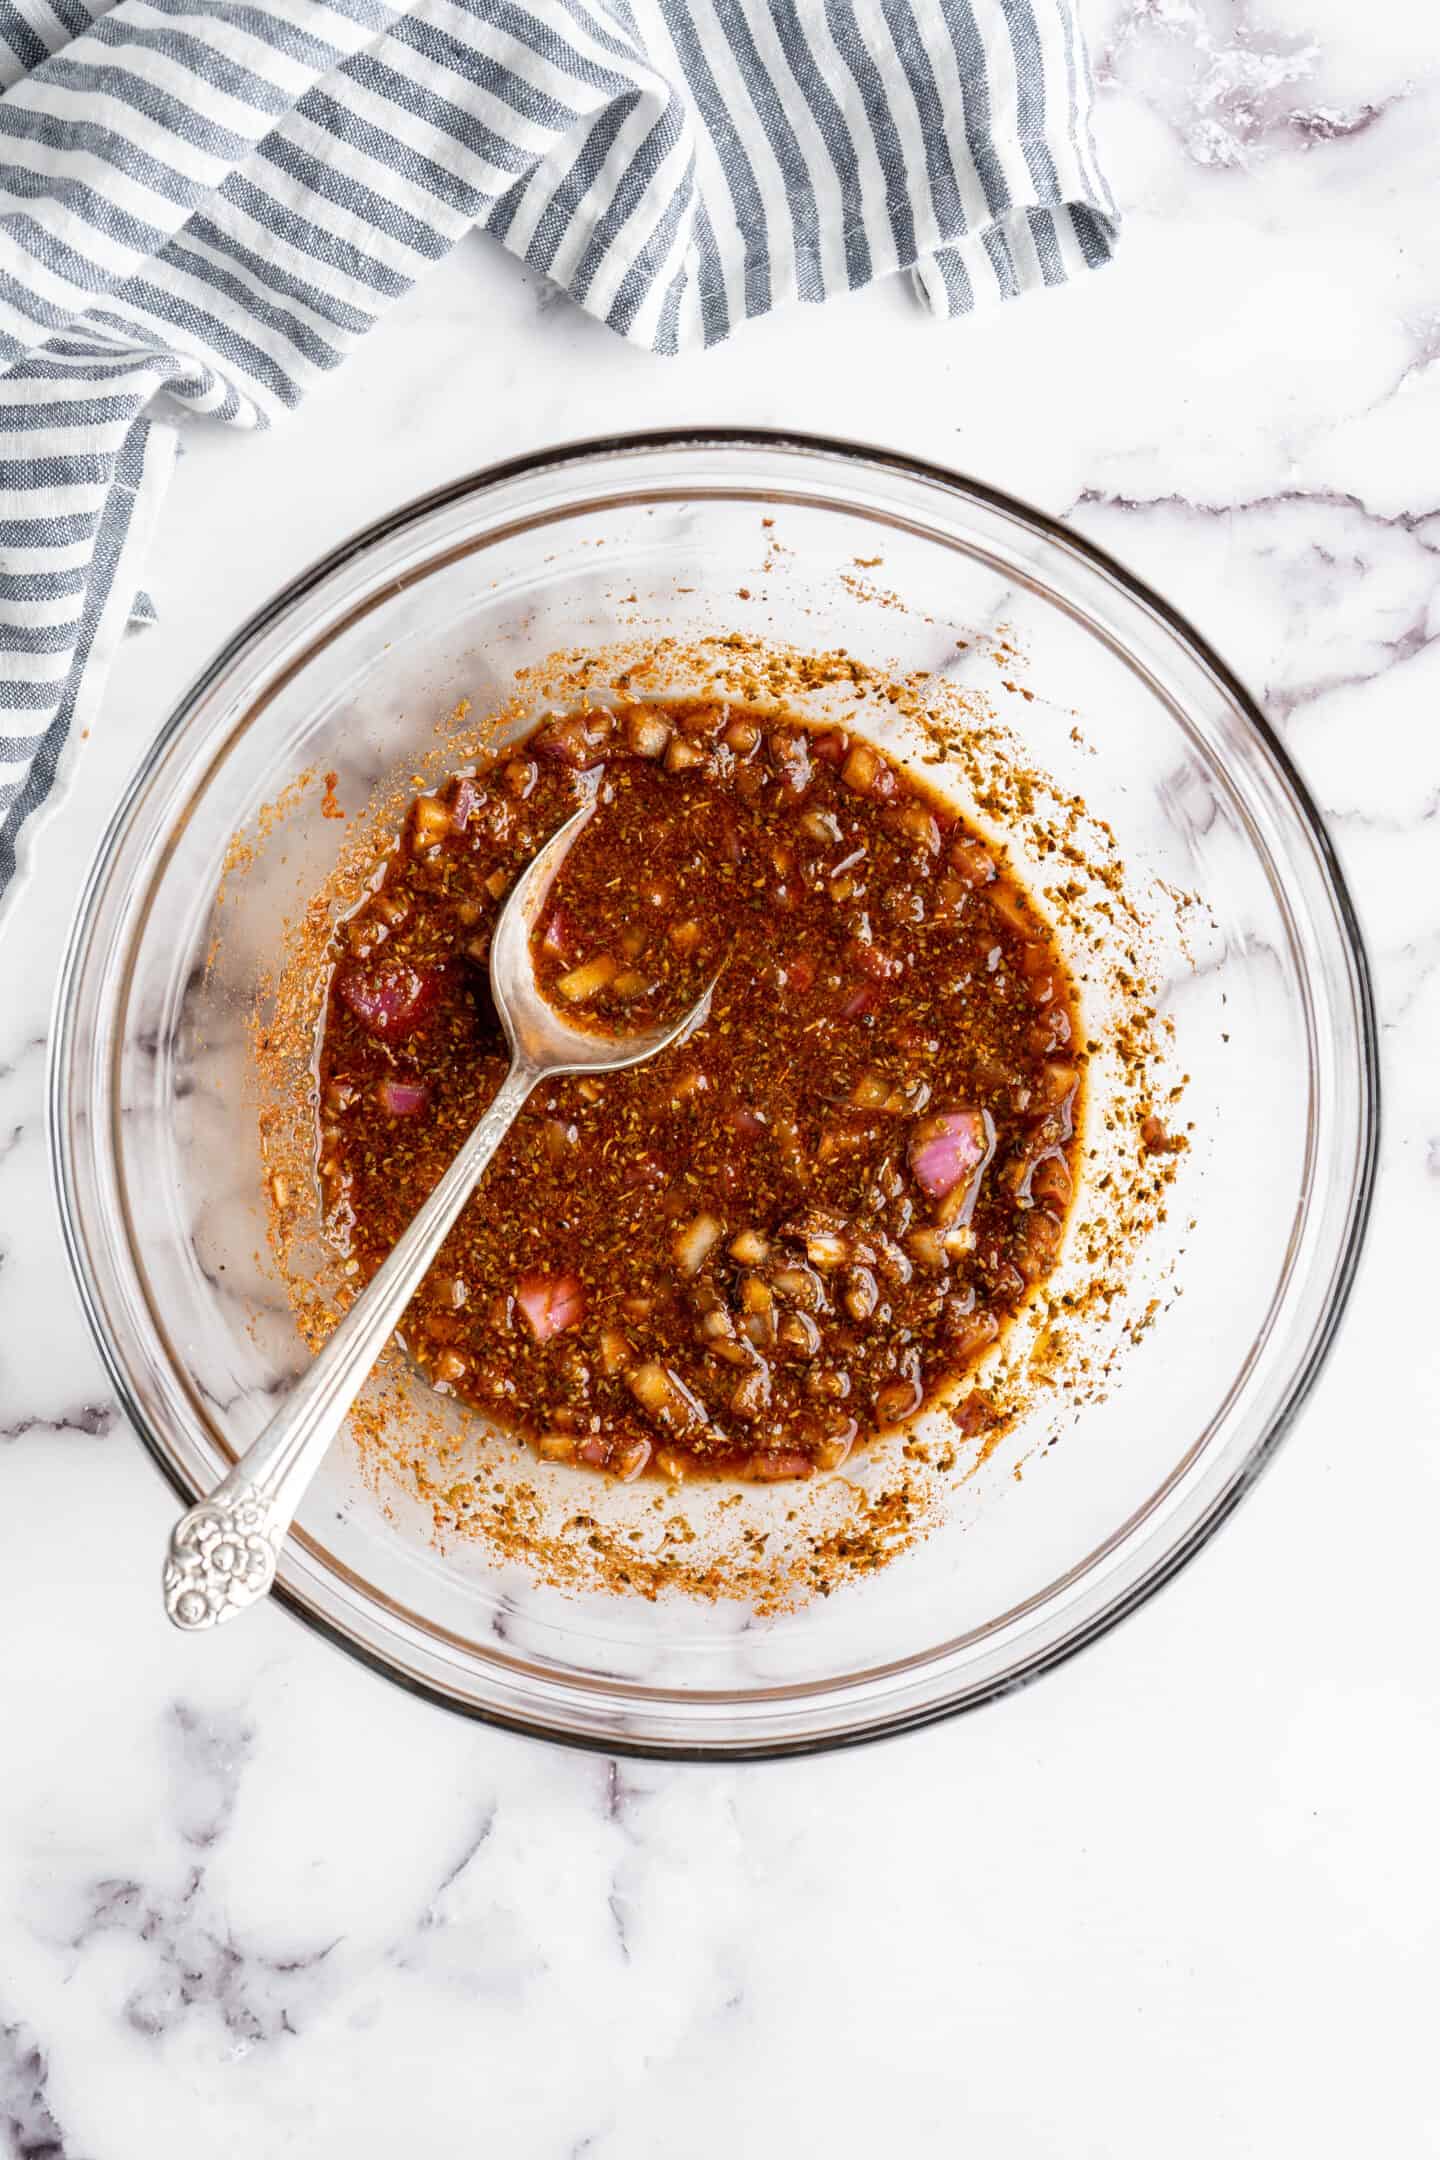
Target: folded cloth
x,y
205,203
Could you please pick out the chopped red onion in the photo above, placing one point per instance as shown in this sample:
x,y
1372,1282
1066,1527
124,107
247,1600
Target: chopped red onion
x,y
947,1156
550,1303
403,1098
391,999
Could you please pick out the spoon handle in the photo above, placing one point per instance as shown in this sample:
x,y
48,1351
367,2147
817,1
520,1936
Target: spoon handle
x,y
224,1552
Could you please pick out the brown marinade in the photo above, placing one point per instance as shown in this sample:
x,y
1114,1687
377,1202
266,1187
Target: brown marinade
x,y
793,1230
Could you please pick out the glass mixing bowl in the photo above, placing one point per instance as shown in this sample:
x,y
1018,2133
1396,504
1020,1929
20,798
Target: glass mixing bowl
x,y
348,670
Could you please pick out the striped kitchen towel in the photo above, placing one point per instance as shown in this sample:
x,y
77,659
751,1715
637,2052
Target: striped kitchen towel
x,y
205,203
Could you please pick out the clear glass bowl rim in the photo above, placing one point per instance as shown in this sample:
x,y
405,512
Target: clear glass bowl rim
x,y
785,442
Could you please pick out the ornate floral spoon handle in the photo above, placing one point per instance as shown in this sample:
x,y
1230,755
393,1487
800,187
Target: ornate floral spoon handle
x,y
224,1552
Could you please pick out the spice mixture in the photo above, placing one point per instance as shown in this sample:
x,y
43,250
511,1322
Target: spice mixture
x,y
788,1233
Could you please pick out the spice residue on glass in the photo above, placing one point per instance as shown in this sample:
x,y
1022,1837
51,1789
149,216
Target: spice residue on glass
x,y
793,1230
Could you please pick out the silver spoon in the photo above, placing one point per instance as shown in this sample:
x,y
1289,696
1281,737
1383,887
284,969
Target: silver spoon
x,y
224,1552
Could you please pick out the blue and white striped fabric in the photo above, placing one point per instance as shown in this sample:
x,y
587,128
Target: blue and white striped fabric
x,y
205,203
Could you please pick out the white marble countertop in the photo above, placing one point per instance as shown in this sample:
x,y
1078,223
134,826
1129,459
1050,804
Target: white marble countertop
x,y
1181,1897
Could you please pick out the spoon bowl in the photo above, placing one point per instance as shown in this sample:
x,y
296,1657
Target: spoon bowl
x,y
539,1035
